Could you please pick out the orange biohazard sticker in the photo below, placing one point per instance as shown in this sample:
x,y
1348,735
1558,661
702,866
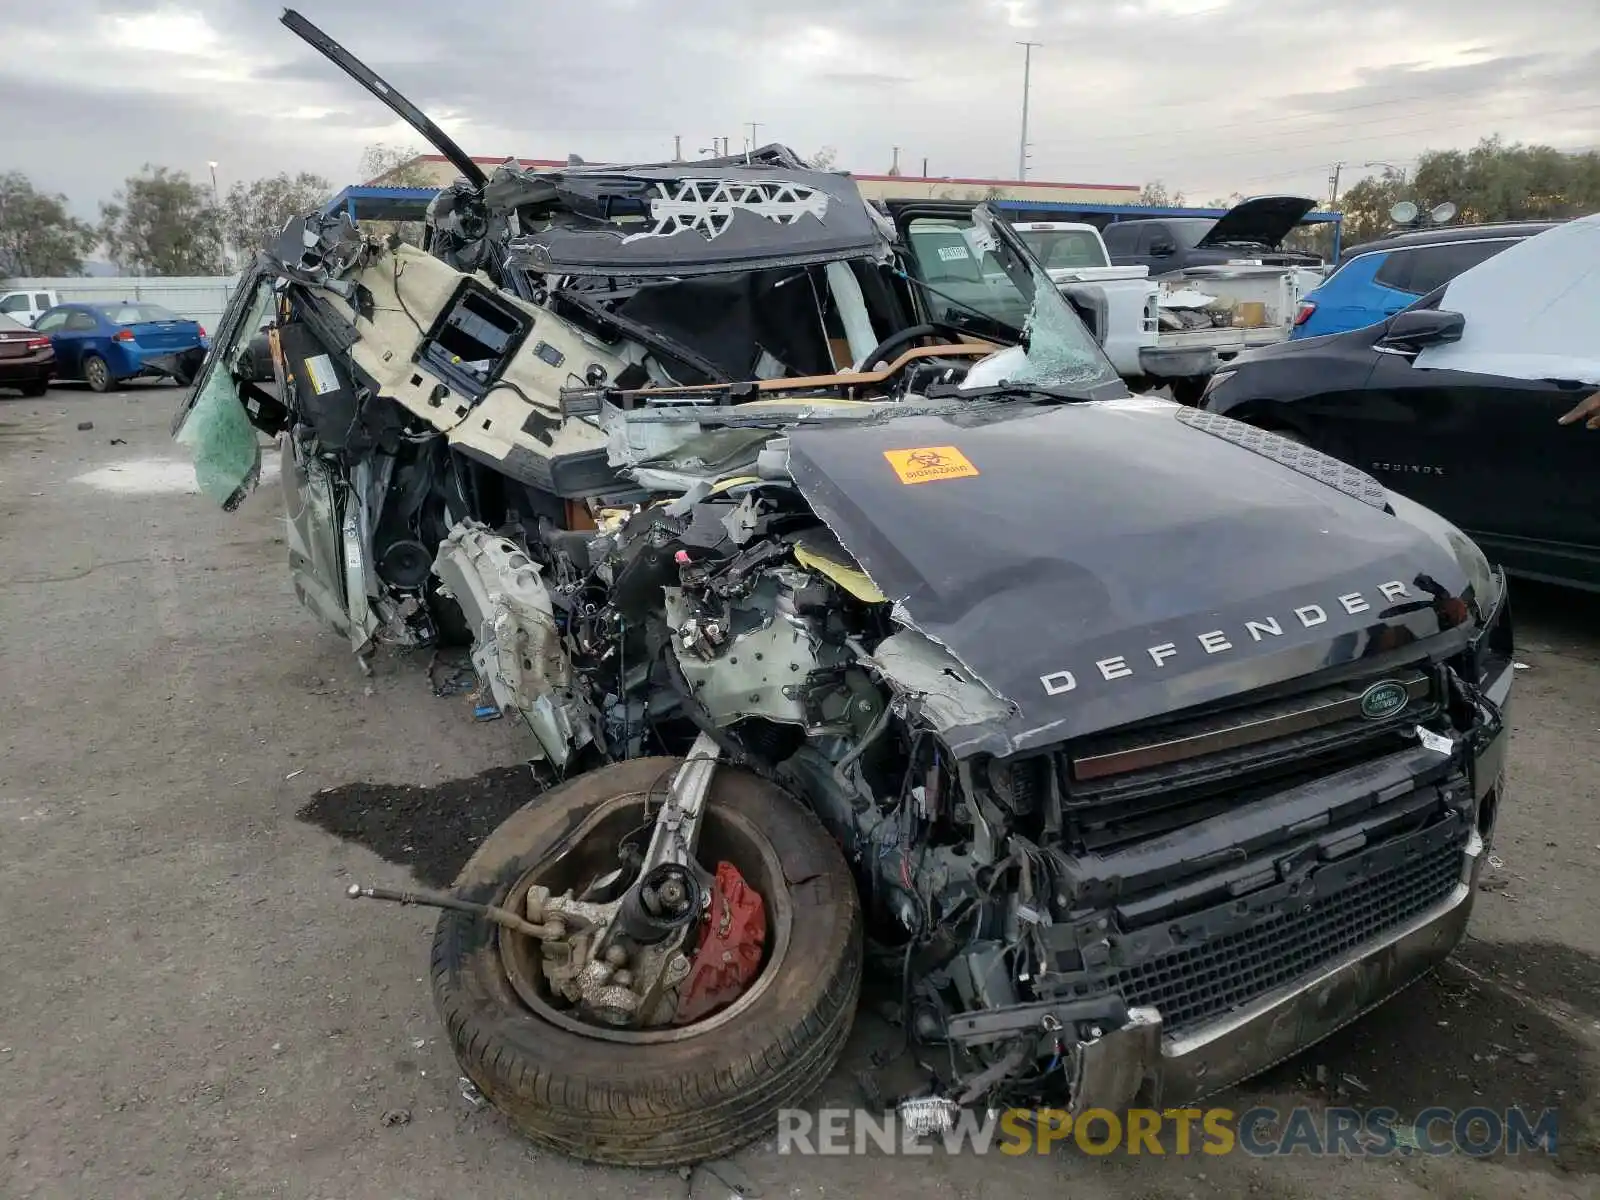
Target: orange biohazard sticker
x,y
927,463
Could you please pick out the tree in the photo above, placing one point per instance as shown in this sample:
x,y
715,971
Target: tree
x,y
254,213
163,223
1496,181
1155,195
396,166
37,236
1493,181
383,165
824,159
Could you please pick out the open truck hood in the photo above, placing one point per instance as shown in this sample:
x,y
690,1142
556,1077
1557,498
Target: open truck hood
x,y
1259,221
1531,311
1101,563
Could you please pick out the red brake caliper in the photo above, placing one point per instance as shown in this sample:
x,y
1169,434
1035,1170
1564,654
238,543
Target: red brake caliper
x,y
729,954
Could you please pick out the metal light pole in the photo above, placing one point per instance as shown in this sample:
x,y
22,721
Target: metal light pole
x,y
1027,73
216,202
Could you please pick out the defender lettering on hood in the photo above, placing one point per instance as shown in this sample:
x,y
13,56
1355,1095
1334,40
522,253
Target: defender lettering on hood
x,y
1220,641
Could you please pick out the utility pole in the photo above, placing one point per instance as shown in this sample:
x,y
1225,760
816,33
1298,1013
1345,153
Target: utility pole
x,y
1333,184
1027,73
216,201
754,125
924,166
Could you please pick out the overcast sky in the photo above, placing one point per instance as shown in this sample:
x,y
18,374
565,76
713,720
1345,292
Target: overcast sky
x,y
1210,96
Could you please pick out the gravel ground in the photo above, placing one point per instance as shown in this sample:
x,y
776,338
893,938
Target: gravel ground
x,y
189,1008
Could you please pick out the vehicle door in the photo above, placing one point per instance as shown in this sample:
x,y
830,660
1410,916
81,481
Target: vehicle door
x,y
67,345
1484,451
86,334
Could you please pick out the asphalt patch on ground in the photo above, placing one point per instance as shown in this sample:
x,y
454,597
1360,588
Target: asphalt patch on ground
x,y
1494,1027
431,830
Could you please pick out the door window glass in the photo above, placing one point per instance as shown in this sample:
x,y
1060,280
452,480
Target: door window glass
x,y
1438,265
1396,271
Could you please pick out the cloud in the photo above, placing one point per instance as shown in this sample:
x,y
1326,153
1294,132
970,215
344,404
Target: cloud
x,y
1210,96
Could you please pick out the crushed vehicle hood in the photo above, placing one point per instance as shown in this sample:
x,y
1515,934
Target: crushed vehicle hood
x,y
1260,221
1531,310
684,218
1100,563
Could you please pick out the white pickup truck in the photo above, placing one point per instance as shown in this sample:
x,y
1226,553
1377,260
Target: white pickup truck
x,y
27,304
1169,332
1120,304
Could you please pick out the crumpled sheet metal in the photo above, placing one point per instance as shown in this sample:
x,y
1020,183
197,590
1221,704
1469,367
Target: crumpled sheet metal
x,y
517,645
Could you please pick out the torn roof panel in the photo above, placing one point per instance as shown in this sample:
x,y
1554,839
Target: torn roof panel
x,y
684,218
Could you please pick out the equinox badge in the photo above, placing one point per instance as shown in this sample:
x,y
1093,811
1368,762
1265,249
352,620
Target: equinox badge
x,y
1383,700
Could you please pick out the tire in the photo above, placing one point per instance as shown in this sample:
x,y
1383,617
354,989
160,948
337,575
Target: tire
x,y
668,1102
97,374
1189,389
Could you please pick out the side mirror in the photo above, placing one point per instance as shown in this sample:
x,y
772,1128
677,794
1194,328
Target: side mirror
x,y
1162,248
1419,327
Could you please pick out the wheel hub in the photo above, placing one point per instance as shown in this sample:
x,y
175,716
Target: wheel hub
x,y
676,946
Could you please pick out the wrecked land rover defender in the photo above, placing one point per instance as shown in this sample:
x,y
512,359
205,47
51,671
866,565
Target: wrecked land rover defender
x,y
1136,748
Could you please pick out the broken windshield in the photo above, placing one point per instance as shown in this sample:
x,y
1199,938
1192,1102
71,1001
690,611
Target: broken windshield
x,y
978,265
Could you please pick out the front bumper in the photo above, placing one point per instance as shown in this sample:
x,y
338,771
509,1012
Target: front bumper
x,y
1194,1002
1139,1062
1136,1063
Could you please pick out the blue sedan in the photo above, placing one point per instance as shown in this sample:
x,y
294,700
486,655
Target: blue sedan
x,y
106,343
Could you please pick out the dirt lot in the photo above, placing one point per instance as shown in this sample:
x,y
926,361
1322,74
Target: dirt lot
x,y
189,1008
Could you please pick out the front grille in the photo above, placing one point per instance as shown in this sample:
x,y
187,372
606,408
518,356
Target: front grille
x,y
1201,982
1136,784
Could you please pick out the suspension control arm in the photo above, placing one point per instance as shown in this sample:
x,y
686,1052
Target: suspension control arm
x,y
554,929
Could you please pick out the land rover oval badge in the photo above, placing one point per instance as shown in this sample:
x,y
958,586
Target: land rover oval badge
x,y
1383,700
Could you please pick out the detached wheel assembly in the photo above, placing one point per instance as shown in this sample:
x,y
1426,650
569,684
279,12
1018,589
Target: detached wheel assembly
x,y
677,956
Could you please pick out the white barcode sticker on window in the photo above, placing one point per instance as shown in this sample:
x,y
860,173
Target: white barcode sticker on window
x,y
953,253
1437,742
